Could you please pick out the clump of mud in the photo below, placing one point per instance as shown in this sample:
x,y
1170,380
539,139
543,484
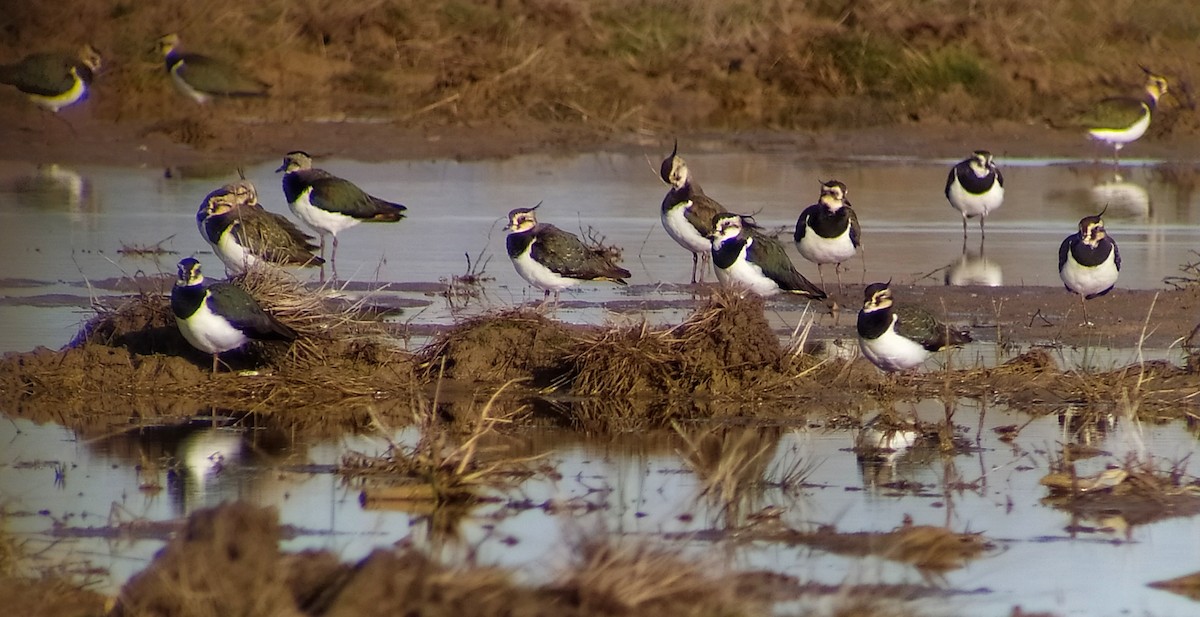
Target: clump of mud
x,y
515,344
227,562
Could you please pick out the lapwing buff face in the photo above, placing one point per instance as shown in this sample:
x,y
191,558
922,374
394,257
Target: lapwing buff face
x,y
1091,229
981,163
726,227
189,273
674,171
876,297
295,161
521,220
833,195
90,57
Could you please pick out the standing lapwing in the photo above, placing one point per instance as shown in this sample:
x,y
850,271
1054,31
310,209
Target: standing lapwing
x,y
745,258
243,234
1121,120
552,259
687,213
201,78
827,232
218,317
54,80
898,338
975,187
1089,261
329,204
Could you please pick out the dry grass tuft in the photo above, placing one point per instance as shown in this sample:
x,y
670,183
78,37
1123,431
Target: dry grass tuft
x,y
636,578
441,468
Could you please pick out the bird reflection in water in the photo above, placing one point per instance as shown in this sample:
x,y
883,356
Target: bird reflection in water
x,y
974,268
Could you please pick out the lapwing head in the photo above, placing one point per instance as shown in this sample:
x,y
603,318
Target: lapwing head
x,y
522,219
295,160
833,194
877,296
1091,229
189,272
243,192
674,170
90,57
726,226
982,163
1156,85
168,44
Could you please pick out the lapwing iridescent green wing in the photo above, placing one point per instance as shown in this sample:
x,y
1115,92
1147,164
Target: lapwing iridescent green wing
x,y
745,258
687,213
328,204
898,338
827,232
201,78
552,259
1089,261
242,233
54,80
219,317
1118,121
975,187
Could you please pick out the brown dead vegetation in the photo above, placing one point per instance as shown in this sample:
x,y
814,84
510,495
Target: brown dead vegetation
x,y
720,362
227,562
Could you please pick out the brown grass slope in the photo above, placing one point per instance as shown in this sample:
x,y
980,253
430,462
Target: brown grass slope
x,y
633,64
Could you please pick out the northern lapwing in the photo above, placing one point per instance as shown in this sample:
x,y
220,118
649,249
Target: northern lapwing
x,y
687,213
328,204
1089,261
201,78
898,338
54,80
975,187
243,234
827,232
744,257
1121,120
218,317
552,259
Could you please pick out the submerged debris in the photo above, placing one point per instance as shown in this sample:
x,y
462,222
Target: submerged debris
x,y
1135,493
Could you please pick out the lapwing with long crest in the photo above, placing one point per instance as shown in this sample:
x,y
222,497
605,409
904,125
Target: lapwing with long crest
x,y
687,213
551,259
220,316
1121,120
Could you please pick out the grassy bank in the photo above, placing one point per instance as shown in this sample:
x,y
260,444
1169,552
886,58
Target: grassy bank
x,y
637,64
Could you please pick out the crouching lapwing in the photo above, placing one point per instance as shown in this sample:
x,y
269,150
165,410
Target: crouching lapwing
x,y
687,213
328,204
827,232
218,317
748,259
54,80
552,259
898,338
242,233
975,187
1089,261
201,78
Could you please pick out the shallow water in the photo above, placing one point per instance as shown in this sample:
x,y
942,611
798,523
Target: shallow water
x,y
64,228
640,486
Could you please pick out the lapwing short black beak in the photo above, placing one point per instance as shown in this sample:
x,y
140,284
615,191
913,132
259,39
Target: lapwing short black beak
x,y
281,168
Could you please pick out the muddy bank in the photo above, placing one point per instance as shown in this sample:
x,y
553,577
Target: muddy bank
x,y
723,361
